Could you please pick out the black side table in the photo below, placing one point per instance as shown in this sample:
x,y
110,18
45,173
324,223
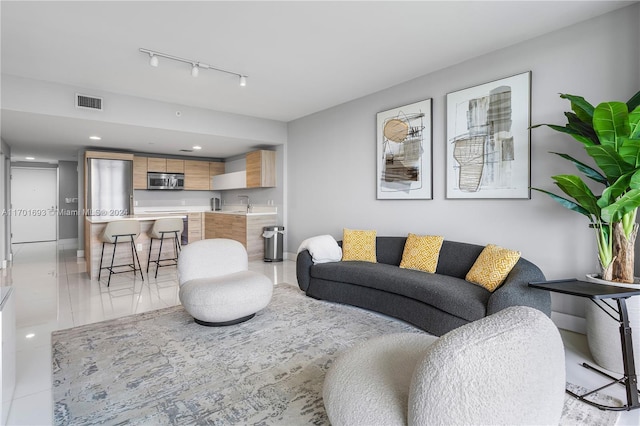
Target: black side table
x,y
598,293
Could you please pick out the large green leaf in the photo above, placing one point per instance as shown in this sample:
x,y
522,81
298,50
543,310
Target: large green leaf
x,y
634,123
584,128
635,180
634,102
573,132
580,106
629,150
574,187
610,162
588,171
571,205
611,121
613,192
625,204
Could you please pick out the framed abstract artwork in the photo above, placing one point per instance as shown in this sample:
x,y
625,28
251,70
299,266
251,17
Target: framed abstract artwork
x,y
404,153
488,140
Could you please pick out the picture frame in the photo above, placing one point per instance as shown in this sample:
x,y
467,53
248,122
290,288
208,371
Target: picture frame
x,y
404,152
488,140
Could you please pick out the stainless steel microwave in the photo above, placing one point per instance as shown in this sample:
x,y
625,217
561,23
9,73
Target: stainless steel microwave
x,y
165,180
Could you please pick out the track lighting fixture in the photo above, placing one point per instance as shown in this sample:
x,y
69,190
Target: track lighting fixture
x,y
195,65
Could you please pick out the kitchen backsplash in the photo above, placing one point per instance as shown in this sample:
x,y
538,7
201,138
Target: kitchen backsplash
x,y
143,198
178,199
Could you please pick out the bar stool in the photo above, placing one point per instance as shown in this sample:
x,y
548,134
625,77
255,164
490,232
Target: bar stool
x,y
120,231
161,229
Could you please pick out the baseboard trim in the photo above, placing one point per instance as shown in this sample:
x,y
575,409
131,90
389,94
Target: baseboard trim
x,y
569,322
68,242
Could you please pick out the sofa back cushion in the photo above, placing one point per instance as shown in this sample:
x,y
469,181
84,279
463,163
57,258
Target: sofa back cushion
x,y
456,259
389,249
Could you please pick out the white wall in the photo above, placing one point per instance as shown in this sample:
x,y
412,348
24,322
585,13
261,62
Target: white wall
x,y
331,154
42,97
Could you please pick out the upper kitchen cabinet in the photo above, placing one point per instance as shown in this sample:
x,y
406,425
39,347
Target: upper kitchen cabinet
x,y
139,172
261,169
107,155
196,175
156,164
175,166
215,168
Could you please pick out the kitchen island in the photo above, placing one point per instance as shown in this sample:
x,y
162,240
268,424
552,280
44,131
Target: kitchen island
x,y
94,225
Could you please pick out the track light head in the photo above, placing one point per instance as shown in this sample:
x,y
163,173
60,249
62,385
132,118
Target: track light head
x,y
195,65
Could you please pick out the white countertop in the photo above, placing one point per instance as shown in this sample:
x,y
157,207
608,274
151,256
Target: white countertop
x,y
242,213
255,210
139,217
171,209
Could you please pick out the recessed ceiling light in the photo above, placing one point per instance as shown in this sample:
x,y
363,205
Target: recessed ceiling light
x,y
197,147
29,158
30,336
95,138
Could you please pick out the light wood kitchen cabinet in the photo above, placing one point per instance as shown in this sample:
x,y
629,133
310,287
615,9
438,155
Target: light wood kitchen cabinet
x,y
232,226
261,169
196,175
139,172
240,227
175,166
215,168
195,223
156,164
107,155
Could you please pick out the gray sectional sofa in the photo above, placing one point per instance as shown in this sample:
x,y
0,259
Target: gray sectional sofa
x,y
436,303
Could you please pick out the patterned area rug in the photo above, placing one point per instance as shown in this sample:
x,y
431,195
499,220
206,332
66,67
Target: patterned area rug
x,y
161,368
580,414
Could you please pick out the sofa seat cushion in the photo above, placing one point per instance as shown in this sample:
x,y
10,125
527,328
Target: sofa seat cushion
x,y
452,295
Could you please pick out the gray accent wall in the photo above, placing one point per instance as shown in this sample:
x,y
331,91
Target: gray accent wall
x,y
331,154
67,200
5,202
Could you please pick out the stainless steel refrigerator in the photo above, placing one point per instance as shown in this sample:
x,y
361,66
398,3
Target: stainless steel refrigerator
x,y
110,184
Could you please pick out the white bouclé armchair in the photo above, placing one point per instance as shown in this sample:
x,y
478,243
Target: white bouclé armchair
x,y
505,369
216,287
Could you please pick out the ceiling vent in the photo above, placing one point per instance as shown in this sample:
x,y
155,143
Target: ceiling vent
x,y
88,102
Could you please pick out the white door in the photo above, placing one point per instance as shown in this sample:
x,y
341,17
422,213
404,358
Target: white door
x,y
34,195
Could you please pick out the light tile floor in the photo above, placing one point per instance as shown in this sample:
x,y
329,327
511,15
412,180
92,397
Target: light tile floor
x,y
53,292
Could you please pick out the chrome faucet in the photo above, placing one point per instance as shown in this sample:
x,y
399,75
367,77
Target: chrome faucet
x,y
248,202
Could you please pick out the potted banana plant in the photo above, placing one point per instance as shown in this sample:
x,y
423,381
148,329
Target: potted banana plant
x,y
610,134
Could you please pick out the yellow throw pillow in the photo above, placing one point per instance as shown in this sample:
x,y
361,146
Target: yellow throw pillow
x,y
359,245
492,266
421,252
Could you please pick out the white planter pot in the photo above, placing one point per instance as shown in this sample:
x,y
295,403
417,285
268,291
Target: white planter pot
x,y
603,333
